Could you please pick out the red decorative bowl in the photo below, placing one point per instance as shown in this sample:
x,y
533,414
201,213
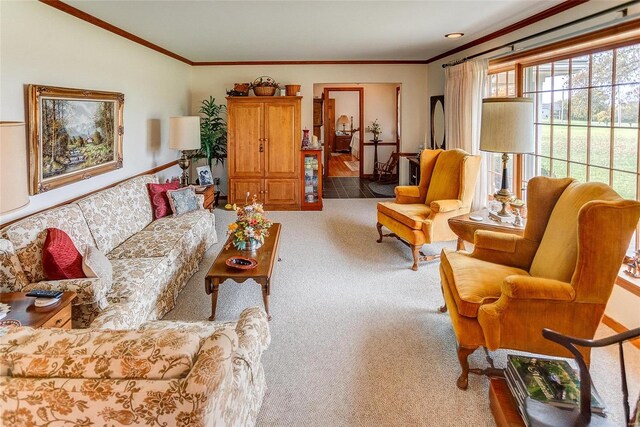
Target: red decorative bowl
x,y
241,263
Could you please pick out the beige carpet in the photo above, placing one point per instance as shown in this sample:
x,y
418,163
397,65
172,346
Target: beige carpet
x,y
357,338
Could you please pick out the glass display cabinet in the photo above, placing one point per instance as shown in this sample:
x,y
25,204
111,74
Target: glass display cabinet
x,y
311,180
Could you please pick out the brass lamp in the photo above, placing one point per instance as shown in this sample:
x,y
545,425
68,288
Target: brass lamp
x,y
343,120
14,184
184,135
507,127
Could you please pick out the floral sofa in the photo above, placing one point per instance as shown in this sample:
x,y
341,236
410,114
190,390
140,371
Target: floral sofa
x,y
151,260
162,374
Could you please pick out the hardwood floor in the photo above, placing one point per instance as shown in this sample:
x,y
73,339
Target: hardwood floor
x,y
338,167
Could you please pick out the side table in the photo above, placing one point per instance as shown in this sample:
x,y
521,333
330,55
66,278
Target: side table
x,y
209,193
503,405
24,310
465,228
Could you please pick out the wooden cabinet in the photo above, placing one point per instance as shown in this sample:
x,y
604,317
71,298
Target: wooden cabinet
x,y
263,150
342,143
311,180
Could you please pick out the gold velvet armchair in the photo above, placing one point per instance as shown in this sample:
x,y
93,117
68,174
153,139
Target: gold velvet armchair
x,y
559,275
420,213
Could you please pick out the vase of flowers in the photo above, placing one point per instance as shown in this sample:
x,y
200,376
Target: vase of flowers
x,y
375,129
251,226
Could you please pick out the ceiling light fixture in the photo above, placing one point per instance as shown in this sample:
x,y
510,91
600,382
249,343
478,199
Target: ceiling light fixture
x,y
454,35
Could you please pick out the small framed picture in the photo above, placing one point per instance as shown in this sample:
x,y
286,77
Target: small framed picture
x,y
204,175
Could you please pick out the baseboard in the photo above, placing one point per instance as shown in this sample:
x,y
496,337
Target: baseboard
x,y
619,328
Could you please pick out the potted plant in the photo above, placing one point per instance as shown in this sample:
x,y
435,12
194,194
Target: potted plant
x,y
375,129
213,132
264,86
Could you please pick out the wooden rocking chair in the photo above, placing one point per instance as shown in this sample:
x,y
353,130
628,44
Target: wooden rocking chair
x,y
386,170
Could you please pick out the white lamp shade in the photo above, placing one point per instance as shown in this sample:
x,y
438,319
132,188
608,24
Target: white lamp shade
x,y
507,125
184,133
343,120
14,184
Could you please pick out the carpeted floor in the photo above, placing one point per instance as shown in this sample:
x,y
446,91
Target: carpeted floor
x,y
357,338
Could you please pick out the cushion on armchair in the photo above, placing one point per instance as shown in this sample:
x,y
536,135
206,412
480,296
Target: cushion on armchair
x,y
411,215
60,258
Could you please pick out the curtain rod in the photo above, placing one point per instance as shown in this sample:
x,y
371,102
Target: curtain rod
x,y
544,32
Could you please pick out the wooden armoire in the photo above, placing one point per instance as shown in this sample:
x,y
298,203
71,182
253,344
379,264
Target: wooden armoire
x,y
264,138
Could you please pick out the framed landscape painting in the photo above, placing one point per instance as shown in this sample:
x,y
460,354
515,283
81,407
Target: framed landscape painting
x,y
74,134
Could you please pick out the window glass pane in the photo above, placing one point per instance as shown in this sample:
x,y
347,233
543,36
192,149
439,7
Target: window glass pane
x,y
601,106
559,168
511,80
530,75
559,142
529,167
625,149
544,166
560,106
600,147
578,144
625,184
544,77
578,172
580,72
627,60
579,106
544,137
543,107
502,84
602,68
626,105
599,175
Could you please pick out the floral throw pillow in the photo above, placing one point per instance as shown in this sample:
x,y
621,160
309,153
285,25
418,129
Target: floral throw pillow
x,y
183,200
159,200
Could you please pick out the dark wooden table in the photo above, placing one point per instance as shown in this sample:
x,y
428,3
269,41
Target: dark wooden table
x,y
465,228
24,310
503,405
266,256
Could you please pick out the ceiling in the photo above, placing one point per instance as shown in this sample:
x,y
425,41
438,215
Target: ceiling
x,y
309,30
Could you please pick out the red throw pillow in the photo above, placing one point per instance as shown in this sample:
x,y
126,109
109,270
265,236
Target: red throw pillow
x,y
60,258
159,201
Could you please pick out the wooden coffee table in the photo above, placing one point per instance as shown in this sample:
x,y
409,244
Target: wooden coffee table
x,y
24,310
265,255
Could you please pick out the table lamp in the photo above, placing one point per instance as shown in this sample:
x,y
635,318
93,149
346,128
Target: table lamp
x,y
343,120
506,127
14,184
184,135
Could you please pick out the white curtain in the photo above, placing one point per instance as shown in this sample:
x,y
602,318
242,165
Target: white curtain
x,y
463,93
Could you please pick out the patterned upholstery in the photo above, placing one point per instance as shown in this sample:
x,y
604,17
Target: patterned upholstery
x,y
223,385
151,261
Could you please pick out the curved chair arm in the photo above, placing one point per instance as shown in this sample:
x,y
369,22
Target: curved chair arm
x,y
527,287
409,194
504,248
445,205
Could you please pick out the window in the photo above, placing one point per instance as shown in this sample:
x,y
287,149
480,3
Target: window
x,y
586,118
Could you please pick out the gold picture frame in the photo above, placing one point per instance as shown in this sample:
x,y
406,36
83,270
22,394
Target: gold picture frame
x,y
74,134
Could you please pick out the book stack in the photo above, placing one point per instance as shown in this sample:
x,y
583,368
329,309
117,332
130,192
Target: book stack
x,y
549,381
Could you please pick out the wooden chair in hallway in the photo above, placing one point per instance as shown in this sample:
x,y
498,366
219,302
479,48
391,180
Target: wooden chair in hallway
x,y
386,170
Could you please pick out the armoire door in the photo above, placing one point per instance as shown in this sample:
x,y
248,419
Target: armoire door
x,y
246,139
238,189
282,192
282,139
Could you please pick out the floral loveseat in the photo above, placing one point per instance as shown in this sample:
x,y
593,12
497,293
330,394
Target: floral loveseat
x,y
151,260
163,374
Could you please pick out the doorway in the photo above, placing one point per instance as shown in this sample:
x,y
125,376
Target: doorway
x,y
342,131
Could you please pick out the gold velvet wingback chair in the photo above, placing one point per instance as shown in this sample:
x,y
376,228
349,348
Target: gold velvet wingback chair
x,y
559,275
420,213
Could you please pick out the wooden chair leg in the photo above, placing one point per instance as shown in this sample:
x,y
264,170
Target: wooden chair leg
x,y
463,355
379,227
416,256
443,309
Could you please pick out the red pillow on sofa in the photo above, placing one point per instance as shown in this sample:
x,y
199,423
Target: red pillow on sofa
x,y
60,258
159,201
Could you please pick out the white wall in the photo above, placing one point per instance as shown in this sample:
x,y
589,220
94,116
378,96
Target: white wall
x,y
214,80
42,45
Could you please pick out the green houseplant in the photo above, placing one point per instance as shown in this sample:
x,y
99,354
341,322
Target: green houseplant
x,y
213,132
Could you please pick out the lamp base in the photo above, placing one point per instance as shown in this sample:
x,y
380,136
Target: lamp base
x,y
504,196
184,162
